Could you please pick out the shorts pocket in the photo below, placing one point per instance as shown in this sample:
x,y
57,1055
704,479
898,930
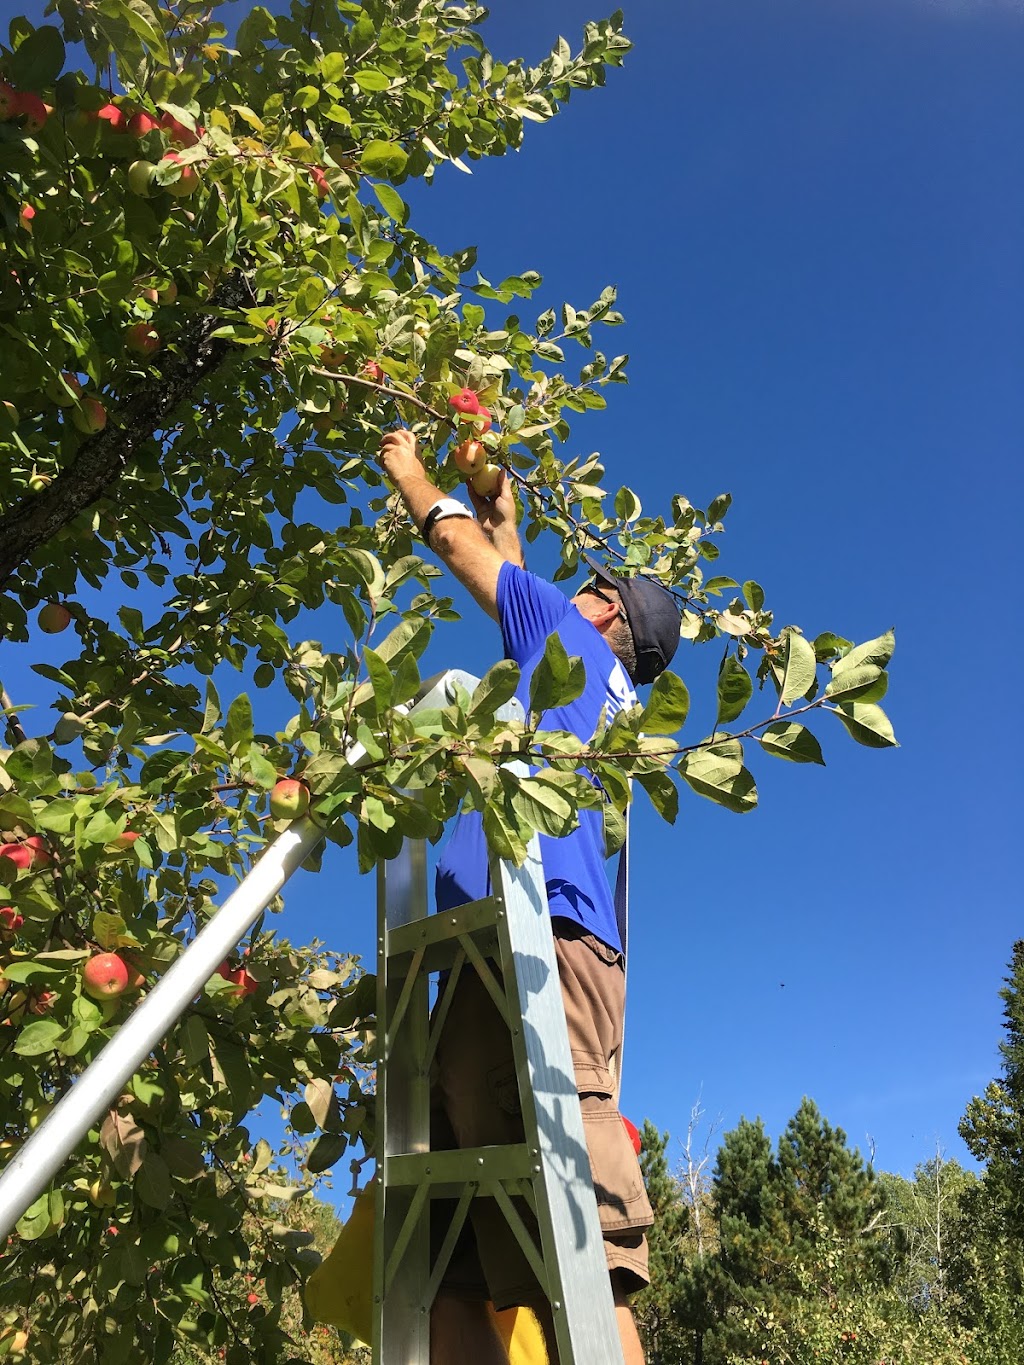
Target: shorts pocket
x,y
618,1183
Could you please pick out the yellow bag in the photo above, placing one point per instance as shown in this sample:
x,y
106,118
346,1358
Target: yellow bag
x,y
340,1290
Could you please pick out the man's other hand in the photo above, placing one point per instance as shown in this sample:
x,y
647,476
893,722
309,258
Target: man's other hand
x,y
399,457
498,510
497,518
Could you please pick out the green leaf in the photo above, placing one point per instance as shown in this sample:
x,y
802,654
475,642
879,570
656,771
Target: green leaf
x,y
153,1182
369,79
385,159
325,1151
38,1037
44,1213
786,739
753,595
495,688
392,202
410,637
38,60
614,829
195,1041
663,792
238,730
557,679
734,689
863,682
667,706
799,669
717,772
539,804
380,678
503,836
108,928
878,652
867,724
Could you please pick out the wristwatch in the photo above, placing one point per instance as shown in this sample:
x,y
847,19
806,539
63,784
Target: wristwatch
x,y
444,507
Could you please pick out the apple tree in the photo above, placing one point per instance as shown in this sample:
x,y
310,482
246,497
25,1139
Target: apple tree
x,y
214,297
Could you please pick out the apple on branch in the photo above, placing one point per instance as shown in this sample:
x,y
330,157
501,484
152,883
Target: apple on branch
x,y
53,618
289,799
64,389
89,416
142,340
470,457
465,402
485,481
104,976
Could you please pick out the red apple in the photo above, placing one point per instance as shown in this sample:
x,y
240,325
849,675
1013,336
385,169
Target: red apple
x,y
373,371
105,975
41,855
323,190
25,217
63,389
33,110
486,480
289,799
252,1298
634,1135
90,416
480,420
42,1003
142,123
116,118
125,839
19,855
142,340
11,415
10,920
470,457
183,136
53,618
247,984
465,402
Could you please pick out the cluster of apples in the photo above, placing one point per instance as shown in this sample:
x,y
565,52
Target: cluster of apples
x,y
142,173
470,455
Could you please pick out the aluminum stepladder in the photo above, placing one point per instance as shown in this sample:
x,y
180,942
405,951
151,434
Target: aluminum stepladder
x,y
550,1170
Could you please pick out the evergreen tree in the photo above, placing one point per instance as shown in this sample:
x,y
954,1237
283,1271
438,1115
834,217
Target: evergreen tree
x,y
993,1126
657,1308
810,1210
987,1267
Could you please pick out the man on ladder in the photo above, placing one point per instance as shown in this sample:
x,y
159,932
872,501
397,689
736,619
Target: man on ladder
x,y
626,631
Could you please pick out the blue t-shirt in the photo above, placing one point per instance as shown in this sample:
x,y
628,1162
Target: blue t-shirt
x,y
529,610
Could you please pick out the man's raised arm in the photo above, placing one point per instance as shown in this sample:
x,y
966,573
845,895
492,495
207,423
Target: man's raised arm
x,y
460,542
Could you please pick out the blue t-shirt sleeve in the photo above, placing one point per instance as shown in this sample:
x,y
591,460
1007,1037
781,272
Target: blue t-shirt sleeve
x,y
529,609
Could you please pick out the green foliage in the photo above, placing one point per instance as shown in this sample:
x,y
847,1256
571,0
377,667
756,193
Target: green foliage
x,y
214,298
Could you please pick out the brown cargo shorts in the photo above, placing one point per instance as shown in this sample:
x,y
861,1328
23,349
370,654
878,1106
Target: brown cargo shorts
x,y
475,1103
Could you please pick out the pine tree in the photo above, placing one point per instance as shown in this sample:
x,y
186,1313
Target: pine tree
x,y
987,1267
657,1308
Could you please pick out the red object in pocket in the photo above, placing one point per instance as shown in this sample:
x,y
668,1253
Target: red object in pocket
x,y
634,1135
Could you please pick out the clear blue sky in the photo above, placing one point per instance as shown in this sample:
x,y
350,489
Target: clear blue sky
x,y
814,215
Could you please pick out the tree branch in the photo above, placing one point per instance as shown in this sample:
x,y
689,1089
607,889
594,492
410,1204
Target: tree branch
x,y
104,457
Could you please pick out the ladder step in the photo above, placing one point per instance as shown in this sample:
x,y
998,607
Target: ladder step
x,y
438,935
462,1166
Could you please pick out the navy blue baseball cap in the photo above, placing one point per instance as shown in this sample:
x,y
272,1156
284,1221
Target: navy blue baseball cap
x,y
653,616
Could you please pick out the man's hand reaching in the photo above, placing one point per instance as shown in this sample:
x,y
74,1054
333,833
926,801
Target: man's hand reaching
x,y
399,457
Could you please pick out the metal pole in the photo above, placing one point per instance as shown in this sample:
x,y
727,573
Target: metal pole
x,y
42,1156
